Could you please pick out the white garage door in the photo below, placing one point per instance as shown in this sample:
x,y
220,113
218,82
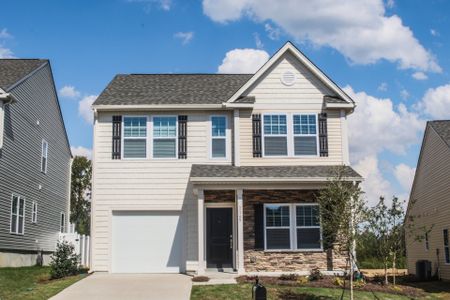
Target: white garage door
x,y
146,242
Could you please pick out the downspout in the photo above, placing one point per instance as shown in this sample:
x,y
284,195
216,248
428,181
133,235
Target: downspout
x,y
5,98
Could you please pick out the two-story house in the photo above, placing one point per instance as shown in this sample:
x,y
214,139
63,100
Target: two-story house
x,y
193,172
34,163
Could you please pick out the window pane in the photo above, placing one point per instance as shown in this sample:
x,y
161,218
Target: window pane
x,y
134,148
14,223
278,239
308,215
218,148
164,148
447,255
305,145
275,146
275,124
20,227
21,206
305,124
445,237
218,126
135,127
165,126
277,215
308,238
44,164
14,205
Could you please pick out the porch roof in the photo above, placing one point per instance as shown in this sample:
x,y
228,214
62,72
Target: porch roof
x,y
218,173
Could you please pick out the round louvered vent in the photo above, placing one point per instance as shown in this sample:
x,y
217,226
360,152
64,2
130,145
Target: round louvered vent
x,y
288,78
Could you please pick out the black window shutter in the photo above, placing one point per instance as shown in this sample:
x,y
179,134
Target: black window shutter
x,y
323,136
259,226
182,137
256,124
116,136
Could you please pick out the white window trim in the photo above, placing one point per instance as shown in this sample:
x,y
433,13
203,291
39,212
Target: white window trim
x,y
134,138
34,212
226,138
263,135
292,228
63,226
44,167
300,135
18,214
446,246
169,138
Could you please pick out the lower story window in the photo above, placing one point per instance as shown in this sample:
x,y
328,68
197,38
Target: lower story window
x,y
446,247
292,227
17,214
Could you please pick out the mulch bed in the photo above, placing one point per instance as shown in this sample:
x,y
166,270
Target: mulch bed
x,y
329,282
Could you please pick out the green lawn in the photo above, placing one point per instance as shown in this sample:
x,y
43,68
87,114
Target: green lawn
x,y
31,283
243,291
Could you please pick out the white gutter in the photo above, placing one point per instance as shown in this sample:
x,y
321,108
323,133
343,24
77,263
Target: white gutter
x,y
267,179
5,98
166,107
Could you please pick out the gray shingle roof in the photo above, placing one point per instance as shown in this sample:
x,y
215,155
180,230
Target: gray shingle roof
x,y
443,129
13,70
224,171
141,89
332,99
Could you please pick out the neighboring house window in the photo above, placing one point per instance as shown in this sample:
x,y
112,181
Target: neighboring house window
x,y
218,136
134,137
275,135
292,227
44,156
308,227
278,226
305,134
17,214
34,212
62,225
446,247
427,243
164,137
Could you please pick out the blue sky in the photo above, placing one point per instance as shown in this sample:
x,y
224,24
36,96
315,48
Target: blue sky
x,y
390,56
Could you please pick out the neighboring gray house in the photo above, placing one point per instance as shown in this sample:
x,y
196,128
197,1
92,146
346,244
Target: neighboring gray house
x,y
34,162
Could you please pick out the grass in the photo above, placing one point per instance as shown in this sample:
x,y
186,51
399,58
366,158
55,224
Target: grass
x,y
244,291
28,283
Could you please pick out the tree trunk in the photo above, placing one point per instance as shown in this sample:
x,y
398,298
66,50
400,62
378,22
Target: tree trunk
x,y
351,276
394,267
386,281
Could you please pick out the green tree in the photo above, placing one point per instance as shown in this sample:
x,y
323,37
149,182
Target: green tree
x,y
80,205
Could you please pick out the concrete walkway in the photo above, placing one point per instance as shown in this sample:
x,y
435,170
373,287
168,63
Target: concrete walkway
x,y
129,286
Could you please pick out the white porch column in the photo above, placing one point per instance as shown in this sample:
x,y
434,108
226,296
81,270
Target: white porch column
x,y
236,138
201,233
240,234
2,121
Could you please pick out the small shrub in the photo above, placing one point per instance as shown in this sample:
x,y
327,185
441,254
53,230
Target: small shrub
x,y
200,279
339,281
359,284
288,277
302,280
64,261
315,274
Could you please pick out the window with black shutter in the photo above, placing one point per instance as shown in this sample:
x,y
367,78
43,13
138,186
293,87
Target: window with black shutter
x,y
256,125
323,135
116,136
182,137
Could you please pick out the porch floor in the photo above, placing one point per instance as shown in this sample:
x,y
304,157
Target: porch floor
x,y
218,277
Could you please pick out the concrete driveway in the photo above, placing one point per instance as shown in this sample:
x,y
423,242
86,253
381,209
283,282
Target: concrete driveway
x,y
129,286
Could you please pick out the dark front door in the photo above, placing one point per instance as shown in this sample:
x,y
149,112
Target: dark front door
x,y
219,237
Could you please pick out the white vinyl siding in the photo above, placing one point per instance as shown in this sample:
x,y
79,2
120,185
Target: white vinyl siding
x,y
134,137
34,212
44,156
17,225
305,134
165,137
218,136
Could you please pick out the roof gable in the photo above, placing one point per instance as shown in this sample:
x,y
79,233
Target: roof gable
x,y
13,71
297,54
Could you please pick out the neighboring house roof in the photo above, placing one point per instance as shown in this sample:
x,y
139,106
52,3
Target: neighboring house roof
x,y
211,172
14,70
151,89
442,128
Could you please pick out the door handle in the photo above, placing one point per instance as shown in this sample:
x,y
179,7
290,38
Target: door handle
x,y
231,241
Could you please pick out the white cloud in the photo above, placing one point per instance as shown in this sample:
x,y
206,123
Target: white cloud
x,y
272,32
390,3
85,108
81,151
69,91
163,4
5,52
258,42
4,34
382,126
404,94
404,175
185,37
367,37
419,75
383,87
436,102
243,61
434,32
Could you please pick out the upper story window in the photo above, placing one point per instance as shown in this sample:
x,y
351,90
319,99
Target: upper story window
x,y
62,224
305,134
275,135
34,212
218,136
134,137
44,156
17,214
165,137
